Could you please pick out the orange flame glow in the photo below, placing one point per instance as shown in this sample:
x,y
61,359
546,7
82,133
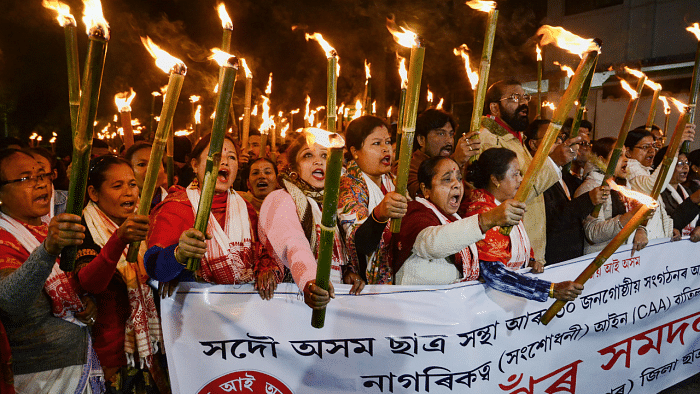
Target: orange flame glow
x,y
472,75
220,57
194,99
294,111
388,113
565,68
667,108
93,17
283,132
182,133
405,38
216,88
368,74
679,105
330,52
341,108
481,5
308,104
628,88
358,110
695,29
403,72
254,112
374,107
547,104
226,22
155,94
164,60
268,89
634,72
640,197
430,96
652,84
123,100
539,53
198,115
439,106
248,74
566,40
324,138
65,18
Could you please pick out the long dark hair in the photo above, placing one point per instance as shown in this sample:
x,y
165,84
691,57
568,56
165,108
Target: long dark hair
x,y
493,161
99,166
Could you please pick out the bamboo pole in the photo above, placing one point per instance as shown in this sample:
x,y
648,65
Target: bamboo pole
x,y
246,109
652,110
211,172
582,99
671,151
169,152
82,140
73,74
693,97
538,114
125,118
331,91
484,69
415,73
399,122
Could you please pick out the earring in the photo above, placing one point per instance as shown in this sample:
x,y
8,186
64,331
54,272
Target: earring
x,y
356,157
498,185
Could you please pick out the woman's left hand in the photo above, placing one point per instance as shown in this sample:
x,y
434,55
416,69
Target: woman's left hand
x,y
536,267
89,314
356,281
266,284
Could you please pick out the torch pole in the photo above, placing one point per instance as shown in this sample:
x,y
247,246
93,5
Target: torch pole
x,y
582,99
169,152
671,152
82,139
73,74
177,77
539,89
622,136
331,110
652,110
151,129
415,73
246,110
399,122
125,118
218,133
667,118
560,114
693,97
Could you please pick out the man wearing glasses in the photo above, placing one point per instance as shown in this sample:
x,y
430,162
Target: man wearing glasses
x,y
506,117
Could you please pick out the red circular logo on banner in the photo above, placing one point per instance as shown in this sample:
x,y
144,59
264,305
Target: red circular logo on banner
x,y
246,381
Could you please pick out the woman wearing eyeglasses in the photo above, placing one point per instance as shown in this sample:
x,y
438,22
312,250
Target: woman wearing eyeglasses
x,y
680,205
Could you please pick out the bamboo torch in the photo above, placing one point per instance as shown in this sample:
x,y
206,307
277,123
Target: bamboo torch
x,y
695,83
408,39
67,21
485,66
625,128
193,100
673,147
576,45
307,114
331,187
229,64
667,114
152,128
177,70
654,99
123,103
332,79
246,103
403,73
582,99
268,123
368,88
98,35
641,213
539,81
169,155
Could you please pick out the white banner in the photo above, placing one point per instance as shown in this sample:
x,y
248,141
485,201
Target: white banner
x,y
636,328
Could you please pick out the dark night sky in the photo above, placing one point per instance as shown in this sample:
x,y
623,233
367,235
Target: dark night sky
x,y
33,82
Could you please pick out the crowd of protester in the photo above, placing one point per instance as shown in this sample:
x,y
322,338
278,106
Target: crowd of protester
x,y
98,328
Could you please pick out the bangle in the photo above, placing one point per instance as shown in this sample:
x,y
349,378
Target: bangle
x,y
175,255
551,290
377,220
643,228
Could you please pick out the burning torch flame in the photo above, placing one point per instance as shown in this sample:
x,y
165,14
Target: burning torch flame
x,y
388,113
679,105
358,110
254,112
403,72
283,132
652,84
539,53
480,5
248,74
368,74
566,40
430,96
198,115
330,52
439,106
628,88
308,103
642,198
123,100
405,38
164,60
155,94
220,57
268,89
216,88
695,29
547,104
93,17
182,133
116,119
472,75
64,16
33,136
226,22
322,137
374,106
52,140
667,108
294,111
341,108
194,99
636,73
567,69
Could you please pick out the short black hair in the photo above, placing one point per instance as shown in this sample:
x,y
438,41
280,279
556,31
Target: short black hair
x,y
636,135
495,93
360,128
426,170
532,129
431,119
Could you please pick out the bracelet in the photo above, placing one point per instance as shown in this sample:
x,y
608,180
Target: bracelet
x,y
551,290
175,255
377,220
643,228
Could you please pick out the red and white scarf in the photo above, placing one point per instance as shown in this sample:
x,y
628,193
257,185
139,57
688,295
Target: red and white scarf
x,y
468,255
143,334
230,255
519,246
64,300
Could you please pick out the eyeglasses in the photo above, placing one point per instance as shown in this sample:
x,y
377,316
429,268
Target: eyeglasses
x,y
646,147
585,144
30,181
517,97
682,163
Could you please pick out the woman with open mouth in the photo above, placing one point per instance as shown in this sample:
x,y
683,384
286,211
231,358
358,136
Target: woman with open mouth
x,y
680,205
368,201
126,331
230,252
262,180
496,177
290,222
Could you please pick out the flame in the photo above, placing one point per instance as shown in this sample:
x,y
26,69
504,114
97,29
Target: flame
x,y
403,72
248,74
268,89
368,74
481,5
652,84
181,133
123,100
539,53
164,89
567,69
254,112
120,131
135,122
320,107
330,52
155,94
198,115
405,38
280,114
374,106
324,138
308,103
226,22
472,75
430,96
341,108
294,111
547,104
52,140
628,88
358,110
439,106
65,18
566,40
636,73
194,99
33,136
640,197
216,88
695,29
283,132
116,119
388,113
667,108
93,17
156,118
164,60
679,105
346,112
220,57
